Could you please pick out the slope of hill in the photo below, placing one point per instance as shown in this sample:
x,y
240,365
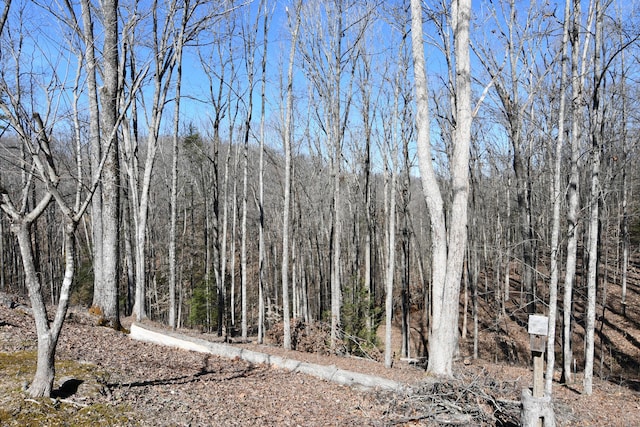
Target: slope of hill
x,y
105,377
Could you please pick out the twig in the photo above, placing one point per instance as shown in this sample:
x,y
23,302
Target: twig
x,y
74,403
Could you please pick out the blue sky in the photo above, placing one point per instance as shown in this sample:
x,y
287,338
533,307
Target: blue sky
x,y
45,49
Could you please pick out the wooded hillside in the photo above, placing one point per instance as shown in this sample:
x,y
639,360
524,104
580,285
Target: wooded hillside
x,y
231,166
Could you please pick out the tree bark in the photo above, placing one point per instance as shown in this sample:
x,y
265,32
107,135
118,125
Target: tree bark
x,y
448,246
95,145
391,264
594,201
179,44
106,290
45,368
288,137
573,195
555,233
261,251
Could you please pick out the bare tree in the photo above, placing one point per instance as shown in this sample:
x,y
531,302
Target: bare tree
x,y
394,137
140,180
103,123
287,141
3,20
596,113
517,80
249,35
217,68
573,193
178,47
326,57
390,238
555,233
625,189
448,243
34,136
106,290
261,213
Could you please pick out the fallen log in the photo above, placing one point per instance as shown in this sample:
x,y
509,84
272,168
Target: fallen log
x,y
326,372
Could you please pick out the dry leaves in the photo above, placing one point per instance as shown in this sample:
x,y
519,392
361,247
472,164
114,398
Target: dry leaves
x,y
159,386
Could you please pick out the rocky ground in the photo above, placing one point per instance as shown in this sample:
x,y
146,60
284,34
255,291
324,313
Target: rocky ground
x,y
106,378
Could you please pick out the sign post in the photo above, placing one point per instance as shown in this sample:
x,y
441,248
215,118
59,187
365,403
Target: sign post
x,y
538,330
536,407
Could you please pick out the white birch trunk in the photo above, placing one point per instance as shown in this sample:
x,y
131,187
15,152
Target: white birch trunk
x,y
165,59
335,118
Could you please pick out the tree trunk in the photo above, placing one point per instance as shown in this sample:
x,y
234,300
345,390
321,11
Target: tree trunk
x,y
261,252
95,145
594,209
48,333
625,191
174,170
45,369
243,231
288,124
573,194
335,138
406,250
105,297
448,246
2,263
234,221
328,373
223,250
173,218
390,270
406,275
555,233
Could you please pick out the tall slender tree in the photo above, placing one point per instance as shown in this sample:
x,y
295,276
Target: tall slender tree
x,y
595,131
555,233
287,142
261,212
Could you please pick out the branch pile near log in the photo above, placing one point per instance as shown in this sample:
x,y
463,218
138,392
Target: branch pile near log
x,y
478,400
10,301
328,373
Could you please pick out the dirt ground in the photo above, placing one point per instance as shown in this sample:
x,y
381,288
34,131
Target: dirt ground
x,y
106,378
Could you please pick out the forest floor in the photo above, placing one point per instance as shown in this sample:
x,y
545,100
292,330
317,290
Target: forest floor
x,y
105,378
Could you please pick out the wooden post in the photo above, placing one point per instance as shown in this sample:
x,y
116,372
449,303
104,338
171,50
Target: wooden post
x,y
537,407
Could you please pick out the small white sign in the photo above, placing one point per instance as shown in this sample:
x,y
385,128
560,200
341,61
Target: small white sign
x,y
538,324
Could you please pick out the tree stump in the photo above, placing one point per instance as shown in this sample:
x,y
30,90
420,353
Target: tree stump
x,y
536,408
